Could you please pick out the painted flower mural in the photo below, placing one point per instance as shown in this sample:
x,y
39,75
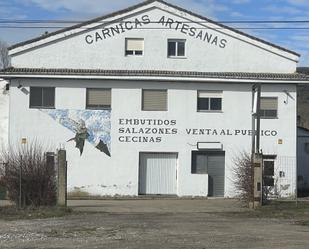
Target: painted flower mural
x,y
93,126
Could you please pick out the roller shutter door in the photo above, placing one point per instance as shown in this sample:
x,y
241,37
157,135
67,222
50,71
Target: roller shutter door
x,y
157,173
216,170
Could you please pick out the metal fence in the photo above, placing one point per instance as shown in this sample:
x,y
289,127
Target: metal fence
x,y
284,182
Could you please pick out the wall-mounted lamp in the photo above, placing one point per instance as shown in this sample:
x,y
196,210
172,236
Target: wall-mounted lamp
x,y
288,95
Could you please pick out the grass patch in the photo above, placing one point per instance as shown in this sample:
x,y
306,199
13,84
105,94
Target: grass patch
x,y
13,213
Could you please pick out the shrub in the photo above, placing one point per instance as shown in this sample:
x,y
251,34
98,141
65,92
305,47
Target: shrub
x,y
38,178
243,177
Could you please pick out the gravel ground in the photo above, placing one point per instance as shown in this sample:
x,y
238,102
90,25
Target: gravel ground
x,y
157,228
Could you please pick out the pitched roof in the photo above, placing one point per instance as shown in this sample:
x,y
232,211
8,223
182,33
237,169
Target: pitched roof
x,y
141,5
153,73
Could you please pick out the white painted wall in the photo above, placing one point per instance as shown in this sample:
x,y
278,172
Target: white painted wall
x,y
96,173
241,54
4,113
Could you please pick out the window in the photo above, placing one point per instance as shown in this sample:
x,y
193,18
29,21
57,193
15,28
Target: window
x,y
154,100
42,97
134,46
209,100
98,98
269,107
176,48
211,162
199,163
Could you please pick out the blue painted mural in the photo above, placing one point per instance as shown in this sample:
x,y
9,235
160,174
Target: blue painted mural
x,y
93,126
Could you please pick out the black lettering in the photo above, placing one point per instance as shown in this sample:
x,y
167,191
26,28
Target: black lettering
x,y
137,23
89,39
200,35
223,43
97,37
178,23
128,25
215,41
173,122
160,122
115,30
222,133
121,139
184,28
207,37
158,139
195,131
237,132
188,131
151,140
146,19
169,22
121,27
192,31
121,130
214,133
106,32
202,132
274,133
162,20
121,121
147,130
174,131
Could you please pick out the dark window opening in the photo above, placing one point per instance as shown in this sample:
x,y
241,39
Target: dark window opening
x,y
42,97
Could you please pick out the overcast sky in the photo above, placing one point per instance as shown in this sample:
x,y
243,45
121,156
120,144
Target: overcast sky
x,y
219,10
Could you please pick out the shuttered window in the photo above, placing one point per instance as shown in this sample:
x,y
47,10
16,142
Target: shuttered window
x,y
209,100
134,46
154,100
98,98
269,107
42,97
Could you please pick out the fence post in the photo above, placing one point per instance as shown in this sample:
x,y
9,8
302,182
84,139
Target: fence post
x,y
258,181
62,179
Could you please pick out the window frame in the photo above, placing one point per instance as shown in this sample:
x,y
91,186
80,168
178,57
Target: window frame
x,y
42,106
142,100
98,107
265,116
133,51
176,41
210,92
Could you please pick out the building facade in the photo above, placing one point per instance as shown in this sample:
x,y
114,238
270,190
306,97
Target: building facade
x,y
154,99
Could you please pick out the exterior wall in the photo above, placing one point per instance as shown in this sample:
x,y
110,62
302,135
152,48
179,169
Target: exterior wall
x,y
302,159
238,54
4,113
96,173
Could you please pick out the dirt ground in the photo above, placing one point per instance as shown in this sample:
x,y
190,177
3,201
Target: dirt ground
x,y
154,224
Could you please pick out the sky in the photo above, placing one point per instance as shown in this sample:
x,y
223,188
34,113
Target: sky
x,y
218,10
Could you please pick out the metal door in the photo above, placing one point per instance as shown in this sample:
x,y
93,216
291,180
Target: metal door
x,y
216,171
157,173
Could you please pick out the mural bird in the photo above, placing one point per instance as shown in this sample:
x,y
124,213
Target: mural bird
x,y
80,137
93,126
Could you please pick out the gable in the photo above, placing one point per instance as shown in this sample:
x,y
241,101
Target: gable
x,y
151,21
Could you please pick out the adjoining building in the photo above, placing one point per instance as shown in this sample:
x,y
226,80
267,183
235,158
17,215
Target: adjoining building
x,y
155,99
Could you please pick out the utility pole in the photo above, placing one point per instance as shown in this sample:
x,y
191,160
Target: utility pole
x,y
256,156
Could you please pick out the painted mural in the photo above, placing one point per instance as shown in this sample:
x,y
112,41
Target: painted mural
x,y
93,126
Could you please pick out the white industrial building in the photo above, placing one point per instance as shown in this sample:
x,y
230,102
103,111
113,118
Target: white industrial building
x,y
155,99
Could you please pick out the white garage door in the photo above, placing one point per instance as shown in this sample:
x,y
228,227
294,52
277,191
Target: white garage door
x,y
157,173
